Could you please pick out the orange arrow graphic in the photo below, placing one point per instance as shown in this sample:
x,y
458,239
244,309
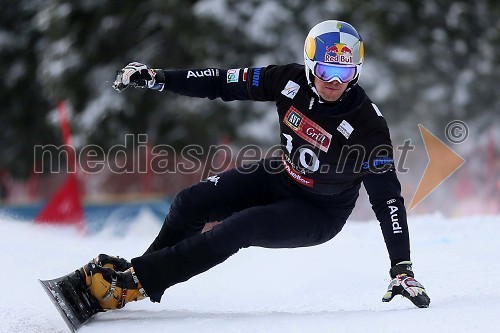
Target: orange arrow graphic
x,y
443,161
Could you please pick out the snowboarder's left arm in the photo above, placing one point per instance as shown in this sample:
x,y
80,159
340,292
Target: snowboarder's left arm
x,y
384,191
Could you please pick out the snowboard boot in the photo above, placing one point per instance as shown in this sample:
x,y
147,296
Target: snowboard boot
x,y
116,263
112,289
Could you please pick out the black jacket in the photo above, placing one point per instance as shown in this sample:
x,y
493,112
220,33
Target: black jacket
x,y
327,147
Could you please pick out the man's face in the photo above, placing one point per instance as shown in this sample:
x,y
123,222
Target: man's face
x,y
329,91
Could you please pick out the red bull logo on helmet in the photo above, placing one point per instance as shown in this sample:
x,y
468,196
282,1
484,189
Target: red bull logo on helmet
x,y
339,53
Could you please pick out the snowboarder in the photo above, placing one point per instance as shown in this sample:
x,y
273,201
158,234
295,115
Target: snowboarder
x,y
333,137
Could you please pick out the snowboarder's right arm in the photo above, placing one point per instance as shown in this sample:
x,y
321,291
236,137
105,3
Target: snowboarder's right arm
x,y
257,83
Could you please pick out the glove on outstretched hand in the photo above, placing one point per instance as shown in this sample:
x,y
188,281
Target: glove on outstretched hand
x,y
139,75
403,283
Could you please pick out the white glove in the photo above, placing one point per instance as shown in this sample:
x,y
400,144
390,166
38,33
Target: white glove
x,y
136,75
403,283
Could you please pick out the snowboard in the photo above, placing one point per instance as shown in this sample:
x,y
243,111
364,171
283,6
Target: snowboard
x,y
71,297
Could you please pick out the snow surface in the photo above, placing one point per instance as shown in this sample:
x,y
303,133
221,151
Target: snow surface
x,y
334,287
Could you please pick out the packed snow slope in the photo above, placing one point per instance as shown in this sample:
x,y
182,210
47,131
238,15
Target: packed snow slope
x,y
334,287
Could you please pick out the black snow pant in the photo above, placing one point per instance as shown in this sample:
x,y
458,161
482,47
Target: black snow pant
x,y
260,208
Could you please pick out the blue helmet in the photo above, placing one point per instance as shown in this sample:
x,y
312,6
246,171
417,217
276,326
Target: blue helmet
x,y
333,51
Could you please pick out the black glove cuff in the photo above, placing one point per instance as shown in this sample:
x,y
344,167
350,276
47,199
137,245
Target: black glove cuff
x,y
160,76
401,268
